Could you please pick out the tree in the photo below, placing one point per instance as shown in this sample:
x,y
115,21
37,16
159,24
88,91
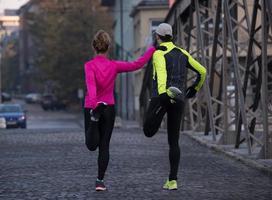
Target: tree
x,y
63,30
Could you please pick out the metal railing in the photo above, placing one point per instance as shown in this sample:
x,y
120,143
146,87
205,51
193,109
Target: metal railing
x,y
234,104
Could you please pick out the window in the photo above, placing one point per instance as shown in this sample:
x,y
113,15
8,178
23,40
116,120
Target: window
x,y
155,23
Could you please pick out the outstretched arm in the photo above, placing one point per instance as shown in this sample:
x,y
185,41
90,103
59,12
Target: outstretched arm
x,y
123,66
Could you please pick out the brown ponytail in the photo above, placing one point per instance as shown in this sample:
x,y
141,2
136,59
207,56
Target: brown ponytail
x,y
101,41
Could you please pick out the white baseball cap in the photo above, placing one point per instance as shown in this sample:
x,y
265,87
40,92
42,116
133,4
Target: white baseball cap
x,y
164,29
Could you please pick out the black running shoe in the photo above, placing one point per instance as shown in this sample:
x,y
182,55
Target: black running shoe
x,y
99,185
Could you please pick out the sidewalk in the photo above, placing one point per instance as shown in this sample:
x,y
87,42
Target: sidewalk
x,y
240,154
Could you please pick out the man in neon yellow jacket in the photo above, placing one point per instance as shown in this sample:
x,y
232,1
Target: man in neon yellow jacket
x,y
170,65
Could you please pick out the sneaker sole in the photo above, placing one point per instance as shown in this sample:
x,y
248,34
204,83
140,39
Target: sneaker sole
x,y
100,189
170,189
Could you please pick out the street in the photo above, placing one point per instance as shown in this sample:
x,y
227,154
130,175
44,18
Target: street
x,y
53,163
39,119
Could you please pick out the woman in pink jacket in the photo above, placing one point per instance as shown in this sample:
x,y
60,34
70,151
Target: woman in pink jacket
x,y
100,74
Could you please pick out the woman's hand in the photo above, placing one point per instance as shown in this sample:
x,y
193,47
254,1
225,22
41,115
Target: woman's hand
x,y
97,112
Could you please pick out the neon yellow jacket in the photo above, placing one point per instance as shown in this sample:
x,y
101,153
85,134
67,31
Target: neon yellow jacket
x,y
169,69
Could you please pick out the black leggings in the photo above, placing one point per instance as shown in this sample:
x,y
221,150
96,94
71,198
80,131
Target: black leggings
x,y
98,134
153,119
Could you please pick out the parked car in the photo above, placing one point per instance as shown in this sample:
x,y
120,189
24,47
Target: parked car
x,y
6,96
51,102
14,115
33,98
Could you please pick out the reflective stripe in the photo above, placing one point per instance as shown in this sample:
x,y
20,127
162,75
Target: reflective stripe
x,y
160,71
198,68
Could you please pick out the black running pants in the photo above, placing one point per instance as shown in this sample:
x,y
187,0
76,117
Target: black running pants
x,y
153,119
98,134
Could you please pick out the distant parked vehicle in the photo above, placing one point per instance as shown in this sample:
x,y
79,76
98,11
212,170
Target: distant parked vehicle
x,y
51,102
6,97
14,115
33,98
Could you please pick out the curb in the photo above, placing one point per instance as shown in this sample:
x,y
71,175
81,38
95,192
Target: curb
x,y
246,161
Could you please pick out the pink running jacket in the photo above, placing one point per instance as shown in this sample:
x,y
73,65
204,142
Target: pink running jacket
x,y
100,74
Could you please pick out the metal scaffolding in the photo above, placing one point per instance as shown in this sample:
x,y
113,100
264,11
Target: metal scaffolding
x,y
233,39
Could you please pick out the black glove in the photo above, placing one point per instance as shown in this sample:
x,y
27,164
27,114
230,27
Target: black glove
x,y
190,92
96,113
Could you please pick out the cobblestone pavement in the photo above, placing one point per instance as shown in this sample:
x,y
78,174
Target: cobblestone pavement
x,y
54,164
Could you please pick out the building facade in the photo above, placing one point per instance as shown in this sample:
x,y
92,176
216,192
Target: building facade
x,y
9,26
147,15
27,50
123,37
133,24
9,23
